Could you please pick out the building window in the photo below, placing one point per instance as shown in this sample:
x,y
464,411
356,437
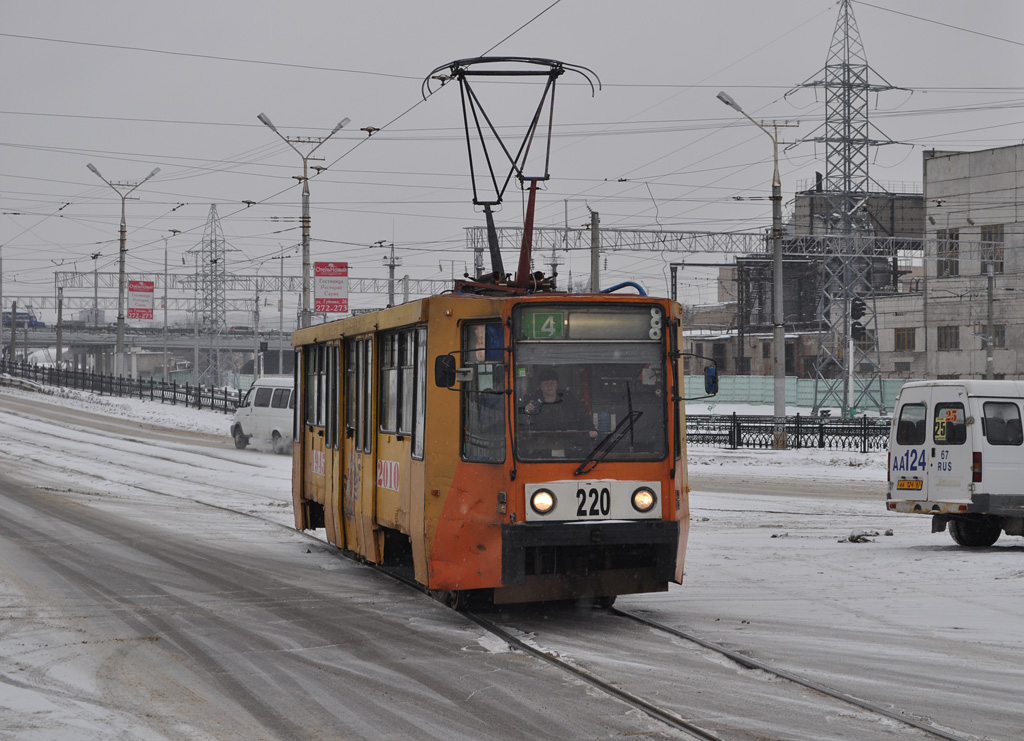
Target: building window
x,y
949,252
866,342
904,339
998,337
766,349
949,338
902,367
743,366
718,353
698,349
992,253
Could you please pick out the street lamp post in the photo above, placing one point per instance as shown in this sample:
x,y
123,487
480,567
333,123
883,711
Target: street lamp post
x,y
778,316
123,239
316,141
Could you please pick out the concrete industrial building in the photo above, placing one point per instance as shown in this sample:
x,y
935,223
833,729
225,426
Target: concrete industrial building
x,y
937,309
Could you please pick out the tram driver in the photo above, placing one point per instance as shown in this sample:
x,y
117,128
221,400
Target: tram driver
x,y
550,409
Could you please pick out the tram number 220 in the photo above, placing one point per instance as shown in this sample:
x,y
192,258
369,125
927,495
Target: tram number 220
x,y
593,502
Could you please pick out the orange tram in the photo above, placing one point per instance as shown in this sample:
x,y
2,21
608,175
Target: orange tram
x,y
513,448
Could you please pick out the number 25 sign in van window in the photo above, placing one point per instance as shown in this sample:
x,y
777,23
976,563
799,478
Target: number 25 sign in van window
x,y
950,427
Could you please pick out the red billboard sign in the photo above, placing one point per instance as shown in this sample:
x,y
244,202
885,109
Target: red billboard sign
x,y
140,299
330,287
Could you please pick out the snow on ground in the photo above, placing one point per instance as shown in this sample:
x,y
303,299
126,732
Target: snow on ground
x,y
179,417
792,550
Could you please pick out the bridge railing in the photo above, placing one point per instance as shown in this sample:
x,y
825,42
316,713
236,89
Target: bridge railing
x,y
197,397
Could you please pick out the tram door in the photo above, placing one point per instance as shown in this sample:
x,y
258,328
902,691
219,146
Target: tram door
x,y
358,468
319,435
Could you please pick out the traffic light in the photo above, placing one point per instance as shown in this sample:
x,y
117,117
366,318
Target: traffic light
x,y
857,308
858,331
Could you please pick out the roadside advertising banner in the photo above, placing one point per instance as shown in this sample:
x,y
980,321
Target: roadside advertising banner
x,y
140,299
330,287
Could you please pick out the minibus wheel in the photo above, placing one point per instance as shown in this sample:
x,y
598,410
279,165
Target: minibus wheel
x,y
979,532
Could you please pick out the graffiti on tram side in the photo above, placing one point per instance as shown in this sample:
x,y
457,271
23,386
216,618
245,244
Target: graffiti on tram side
x,y
387,475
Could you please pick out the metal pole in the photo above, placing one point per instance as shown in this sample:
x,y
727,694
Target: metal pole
x,y
95,293
778,315
60,324
280,322
990,329
14,330
165,309
304,320
123,251
123,241
595,254
305,242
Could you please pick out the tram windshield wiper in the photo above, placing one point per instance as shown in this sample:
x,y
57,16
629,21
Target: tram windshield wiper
x,y
610,440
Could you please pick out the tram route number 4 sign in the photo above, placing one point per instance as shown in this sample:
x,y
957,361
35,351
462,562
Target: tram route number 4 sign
x,y
140,299
330,287
544,325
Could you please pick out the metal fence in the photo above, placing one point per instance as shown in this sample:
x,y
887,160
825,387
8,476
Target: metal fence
x,y
220,400
722,430
742,431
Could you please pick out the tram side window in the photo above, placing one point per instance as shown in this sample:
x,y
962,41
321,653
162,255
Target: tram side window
x,y
950,425
397,382
389,383
330,381
483,395
297,377
366,385
316,385
406,385
351,392
420,403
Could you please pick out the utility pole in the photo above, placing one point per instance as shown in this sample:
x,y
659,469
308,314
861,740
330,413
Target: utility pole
x,y
990,329
595,252
60,323
123,251
280,317
174,232
390,264
317,142
14,330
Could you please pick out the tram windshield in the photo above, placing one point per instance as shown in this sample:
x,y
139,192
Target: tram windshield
x,y
588,378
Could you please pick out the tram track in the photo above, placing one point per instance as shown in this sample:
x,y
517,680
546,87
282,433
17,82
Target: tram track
x,y
751,663
661,713
672,717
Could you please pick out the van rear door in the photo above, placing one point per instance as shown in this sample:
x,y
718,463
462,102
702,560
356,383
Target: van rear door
x,y
908,452
952,446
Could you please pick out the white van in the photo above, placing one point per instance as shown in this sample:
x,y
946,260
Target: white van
x,y
266,414
956,452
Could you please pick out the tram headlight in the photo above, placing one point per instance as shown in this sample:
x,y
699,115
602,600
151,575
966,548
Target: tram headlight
x,y
644,499
542,501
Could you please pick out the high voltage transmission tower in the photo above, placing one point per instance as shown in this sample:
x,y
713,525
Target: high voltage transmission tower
x,y
211,272
847,371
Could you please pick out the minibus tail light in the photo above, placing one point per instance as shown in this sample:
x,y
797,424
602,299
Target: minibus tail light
x,y
976,468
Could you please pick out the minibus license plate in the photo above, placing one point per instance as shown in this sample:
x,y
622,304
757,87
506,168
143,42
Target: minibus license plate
x,y
909,484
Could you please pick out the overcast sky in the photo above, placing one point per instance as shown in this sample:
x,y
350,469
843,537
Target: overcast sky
x,y
129,86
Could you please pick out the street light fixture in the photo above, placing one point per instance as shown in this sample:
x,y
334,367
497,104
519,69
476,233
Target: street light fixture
x,y
317,142
778,317
123,238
